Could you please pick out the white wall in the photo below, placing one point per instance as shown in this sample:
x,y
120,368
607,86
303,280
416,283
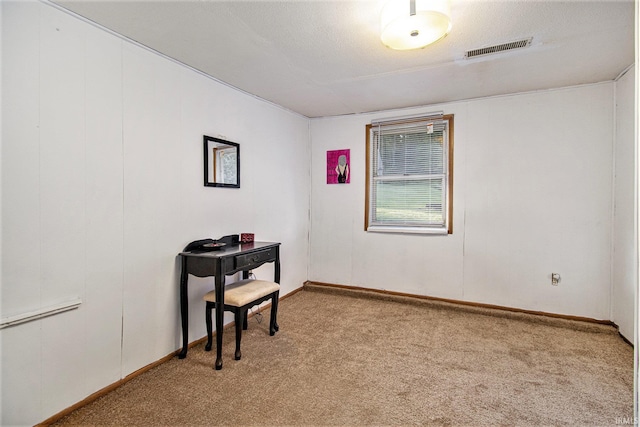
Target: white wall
x,y
102,187
532,196
624,256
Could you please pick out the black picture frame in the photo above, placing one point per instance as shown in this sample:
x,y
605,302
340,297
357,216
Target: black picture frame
x,y
221,162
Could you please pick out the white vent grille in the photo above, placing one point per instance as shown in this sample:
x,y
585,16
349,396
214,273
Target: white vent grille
x,y
497,48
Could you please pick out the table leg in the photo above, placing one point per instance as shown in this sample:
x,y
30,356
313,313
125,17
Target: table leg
x,y
276,279
219,318
184,308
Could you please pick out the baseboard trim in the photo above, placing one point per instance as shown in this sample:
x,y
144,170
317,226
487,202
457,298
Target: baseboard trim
x,y
625,339
385,292
96,395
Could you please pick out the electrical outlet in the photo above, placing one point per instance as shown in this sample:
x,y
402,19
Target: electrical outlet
x,y
555,279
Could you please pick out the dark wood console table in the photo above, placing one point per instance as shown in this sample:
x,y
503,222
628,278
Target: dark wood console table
x,y
226,261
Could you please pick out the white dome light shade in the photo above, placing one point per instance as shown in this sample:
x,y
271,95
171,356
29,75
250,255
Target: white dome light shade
x,y
402,31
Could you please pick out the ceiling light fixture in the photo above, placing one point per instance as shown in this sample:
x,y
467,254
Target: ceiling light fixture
x,y
414,24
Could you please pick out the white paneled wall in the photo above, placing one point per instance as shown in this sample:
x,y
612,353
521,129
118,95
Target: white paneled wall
x,y
21,366
152,203
103,207
541,202
20,208
532,196
62,172
102,187
625,255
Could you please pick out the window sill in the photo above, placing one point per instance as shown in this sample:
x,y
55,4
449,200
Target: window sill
x,y
406,230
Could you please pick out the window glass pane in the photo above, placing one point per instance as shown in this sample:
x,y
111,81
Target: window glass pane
x,y
413,152
227,173
409,201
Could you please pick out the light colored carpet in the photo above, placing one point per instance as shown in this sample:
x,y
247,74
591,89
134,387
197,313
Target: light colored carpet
x,y
342,358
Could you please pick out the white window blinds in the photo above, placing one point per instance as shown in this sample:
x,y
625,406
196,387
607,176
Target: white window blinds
x,y
408,176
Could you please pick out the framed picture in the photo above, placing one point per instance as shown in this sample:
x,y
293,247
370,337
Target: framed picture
x,y
221,163
338,167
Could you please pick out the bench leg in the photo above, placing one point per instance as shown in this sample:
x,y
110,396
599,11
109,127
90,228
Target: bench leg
x,y
273,323
209,326
239,315
245,325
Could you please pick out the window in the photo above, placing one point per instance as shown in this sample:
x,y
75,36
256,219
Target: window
x,y
409,176
225,165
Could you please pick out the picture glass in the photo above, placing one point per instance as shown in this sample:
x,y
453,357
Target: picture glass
x,y
221,163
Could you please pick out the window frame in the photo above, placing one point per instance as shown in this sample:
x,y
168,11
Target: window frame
x,y
448,228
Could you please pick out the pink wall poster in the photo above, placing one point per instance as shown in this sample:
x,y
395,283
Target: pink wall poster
x,y
338,167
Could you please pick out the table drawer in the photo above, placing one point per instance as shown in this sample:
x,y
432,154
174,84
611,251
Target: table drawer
x,y
252,260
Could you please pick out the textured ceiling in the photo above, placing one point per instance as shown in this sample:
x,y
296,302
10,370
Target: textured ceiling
x,y
325,58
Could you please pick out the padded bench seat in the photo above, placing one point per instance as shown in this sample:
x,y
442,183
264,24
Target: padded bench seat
x,y
238,298
245,291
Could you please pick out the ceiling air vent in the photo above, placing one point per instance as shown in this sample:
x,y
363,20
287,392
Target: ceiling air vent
x,y
497,48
